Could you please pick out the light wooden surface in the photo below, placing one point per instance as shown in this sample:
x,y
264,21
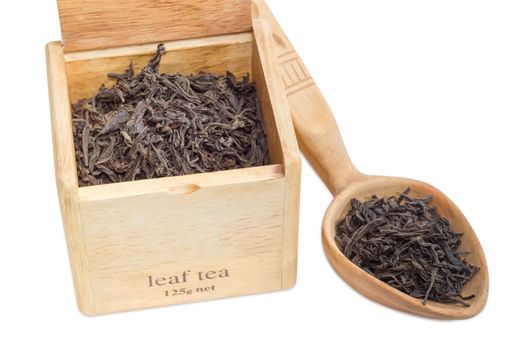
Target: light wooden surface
x,y
378,291
123,236
86,71
222,219
66,175
129,289
322,144
271,93
96,24
220,224
305,98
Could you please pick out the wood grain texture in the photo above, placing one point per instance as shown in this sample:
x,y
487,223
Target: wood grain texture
x,y
323,146
381,292
180,184
217,225
66,176
97,24
244,221
88,70
130,289
315,127
234,220
320,140
273,92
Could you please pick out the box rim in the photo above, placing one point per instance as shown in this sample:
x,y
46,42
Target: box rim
x,y
55,49
181,185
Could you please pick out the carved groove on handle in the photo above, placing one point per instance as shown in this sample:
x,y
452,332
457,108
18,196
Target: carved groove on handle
x,y
294,74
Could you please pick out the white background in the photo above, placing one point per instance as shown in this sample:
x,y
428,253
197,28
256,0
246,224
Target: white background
x,y
433,90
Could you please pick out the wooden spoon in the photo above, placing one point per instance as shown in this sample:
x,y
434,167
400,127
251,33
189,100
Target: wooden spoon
x,y
321,143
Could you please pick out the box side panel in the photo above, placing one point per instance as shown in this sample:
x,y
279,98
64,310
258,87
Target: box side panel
x,y
228,238
88,71
274,102
66,174
273,135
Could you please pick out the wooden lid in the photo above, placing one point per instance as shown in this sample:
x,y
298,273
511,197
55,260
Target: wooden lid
x,y
98,24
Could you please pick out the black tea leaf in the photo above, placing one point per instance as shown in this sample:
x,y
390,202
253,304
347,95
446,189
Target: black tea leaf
x,y
404,242
155,125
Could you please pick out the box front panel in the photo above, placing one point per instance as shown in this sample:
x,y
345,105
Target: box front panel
x,y
168,248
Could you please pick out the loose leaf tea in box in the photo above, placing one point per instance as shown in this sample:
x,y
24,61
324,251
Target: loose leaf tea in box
x,y
154,125
405,243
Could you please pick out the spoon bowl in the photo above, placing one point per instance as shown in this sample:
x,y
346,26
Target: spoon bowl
x,y
323,146
363,189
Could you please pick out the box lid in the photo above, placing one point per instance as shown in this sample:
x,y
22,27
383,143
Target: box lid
x,y
98,24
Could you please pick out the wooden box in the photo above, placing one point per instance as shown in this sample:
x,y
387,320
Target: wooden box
x,y
179,239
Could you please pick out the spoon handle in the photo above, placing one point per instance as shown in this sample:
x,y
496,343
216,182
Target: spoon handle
x,y
316,129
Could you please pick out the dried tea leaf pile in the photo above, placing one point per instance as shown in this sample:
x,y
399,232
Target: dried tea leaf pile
x,y
153,125
404,242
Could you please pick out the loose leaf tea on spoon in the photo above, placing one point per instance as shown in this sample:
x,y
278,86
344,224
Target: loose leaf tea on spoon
x,y
154,125
404,242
